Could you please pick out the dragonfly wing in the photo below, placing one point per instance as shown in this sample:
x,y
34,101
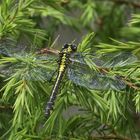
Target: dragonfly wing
x,y
109,60
38,69
117,59
93,79
39,74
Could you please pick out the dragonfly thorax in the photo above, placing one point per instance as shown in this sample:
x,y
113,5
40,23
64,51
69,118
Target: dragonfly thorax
x,y
65,53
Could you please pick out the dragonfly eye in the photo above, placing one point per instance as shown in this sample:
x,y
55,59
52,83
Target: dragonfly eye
x,y
65,46
73,47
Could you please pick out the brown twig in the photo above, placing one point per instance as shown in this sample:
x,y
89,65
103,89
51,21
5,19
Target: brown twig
x,y
48,51
130,84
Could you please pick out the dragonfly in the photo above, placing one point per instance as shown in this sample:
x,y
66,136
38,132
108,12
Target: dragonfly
x,y
81,74
78,71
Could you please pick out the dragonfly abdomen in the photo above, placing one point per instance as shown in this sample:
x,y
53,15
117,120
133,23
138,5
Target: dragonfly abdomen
x,y
53,94
62,67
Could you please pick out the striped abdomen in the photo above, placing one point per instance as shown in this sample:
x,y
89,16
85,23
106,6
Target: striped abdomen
x,y
62,68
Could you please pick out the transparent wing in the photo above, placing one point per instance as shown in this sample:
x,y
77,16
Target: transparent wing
x,y
88,78
109,60
116,59
30,67
80,73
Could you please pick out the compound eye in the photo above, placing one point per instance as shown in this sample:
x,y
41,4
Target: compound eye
x,y
65,46
73,47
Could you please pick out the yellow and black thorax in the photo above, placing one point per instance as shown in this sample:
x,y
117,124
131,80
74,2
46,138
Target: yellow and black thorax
x,y
64,55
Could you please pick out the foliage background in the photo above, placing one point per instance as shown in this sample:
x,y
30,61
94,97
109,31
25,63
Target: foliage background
x,y
27,26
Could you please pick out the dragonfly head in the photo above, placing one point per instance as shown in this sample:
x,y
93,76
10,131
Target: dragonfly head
x,y
70,48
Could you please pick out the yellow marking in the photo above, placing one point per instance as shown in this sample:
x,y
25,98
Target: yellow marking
x,y
69,49
63,63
